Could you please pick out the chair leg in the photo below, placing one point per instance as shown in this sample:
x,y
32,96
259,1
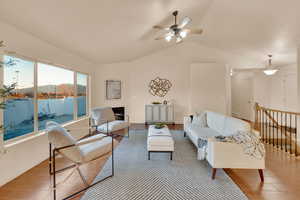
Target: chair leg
x,y
54,176
112,156
50,158
171,155
184,134
261,174
213,174
148,155
128,131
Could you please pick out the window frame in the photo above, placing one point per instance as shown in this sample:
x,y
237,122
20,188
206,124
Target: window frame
x,y
35,99
87,96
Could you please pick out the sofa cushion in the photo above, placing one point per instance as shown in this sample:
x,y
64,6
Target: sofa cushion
x,y
200,132
216,121
234,125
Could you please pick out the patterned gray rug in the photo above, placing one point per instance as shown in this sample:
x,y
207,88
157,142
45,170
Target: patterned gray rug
x,y
183,178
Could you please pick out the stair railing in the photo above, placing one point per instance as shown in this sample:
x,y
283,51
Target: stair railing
x,y
278,128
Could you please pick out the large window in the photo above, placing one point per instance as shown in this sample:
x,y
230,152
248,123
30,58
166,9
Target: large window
x,y
82,81
55,94
19,112
30,106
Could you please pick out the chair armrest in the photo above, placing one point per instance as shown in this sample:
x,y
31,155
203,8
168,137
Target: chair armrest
x,y
255,132
94,125
81,143
230,155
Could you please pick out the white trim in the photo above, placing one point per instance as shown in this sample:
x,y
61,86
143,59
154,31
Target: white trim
x,y
28,58
32,135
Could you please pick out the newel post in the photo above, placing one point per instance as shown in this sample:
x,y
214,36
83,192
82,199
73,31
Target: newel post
x,y
256,122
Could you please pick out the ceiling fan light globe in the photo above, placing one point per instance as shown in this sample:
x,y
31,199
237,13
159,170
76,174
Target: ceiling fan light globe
x,y
178,39
270,72
168,38
183,34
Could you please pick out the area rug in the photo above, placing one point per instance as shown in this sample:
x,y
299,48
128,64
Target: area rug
x,y
137,178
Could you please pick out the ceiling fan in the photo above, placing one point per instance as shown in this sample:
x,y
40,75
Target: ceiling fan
x,y
177,31
268,70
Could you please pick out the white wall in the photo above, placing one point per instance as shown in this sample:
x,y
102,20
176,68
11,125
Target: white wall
x,y
242,95
277,92
208,87
25,155
173,63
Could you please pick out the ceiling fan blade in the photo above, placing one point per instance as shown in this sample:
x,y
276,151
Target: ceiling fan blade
x,y
161,27
248,69
184,22
193,31
162,36
2,43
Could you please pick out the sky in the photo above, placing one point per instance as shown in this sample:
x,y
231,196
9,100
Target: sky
x,y
23,73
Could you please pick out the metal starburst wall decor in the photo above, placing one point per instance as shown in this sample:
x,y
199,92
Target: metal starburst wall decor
x,y
159,87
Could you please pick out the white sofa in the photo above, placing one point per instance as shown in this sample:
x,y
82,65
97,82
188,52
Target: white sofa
x,y
222,154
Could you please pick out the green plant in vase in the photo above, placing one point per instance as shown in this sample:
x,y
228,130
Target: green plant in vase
x,y
160,125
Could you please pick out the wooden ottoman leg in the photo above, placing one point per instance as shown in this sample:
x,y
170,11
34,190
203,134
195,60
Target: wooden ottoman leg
x,y
213,174
261,174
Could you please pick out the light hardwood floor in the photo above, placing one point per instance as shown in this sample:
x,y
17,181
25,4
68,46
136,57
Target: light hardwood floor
x,y
282,178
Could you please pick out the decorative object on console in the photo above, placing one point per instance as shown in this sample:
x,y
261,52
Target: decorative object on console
x,y
156,102
165,102
160,125
159,87
113,89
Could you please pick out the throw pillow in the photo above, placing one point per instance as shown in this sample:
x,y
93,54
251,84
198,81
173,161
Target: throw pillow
x,y
200,119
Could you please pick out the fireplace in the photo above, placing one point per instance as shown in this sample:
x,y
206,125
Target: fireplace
x,y
119,112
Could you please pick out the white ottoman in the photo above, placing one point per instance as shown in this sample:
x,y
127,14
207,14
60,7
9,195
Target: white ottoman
x,y
159,141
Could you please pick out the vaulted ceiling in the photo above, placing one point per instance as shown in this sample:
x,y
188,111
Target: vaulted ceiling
x,y
121,30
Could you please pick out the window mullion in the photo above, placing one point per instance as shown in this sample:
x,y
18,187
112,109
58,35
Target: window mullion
x,y
35,98
75,97
1,111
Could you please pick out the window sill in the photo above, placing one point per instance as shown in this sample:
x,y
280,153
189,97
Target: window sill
x,y
31,136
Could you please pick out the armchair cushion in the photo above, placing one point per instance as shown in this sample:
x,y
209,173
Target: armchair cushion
x,y
113,126
96,149
59,137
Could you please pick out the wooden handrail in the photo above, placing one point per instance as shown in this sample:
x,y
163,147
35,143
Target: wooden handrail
x,y
257,106
277,127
